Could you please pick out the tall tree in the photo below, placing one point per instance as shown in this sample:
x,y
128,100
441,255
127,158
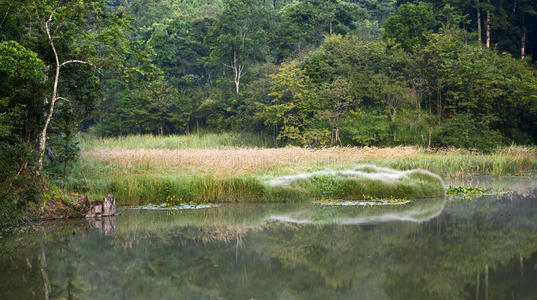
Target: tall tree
x,y
241,34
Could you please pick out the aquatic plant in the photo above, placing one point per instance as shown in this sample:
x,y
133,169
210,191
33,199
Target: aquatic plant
x,y
467,189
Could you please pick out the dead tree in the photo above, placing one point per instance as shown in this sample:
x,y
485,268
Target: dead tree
x,y
54,97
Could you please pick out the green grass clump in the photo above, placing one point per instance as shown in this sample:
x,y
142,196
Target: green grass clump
x,y
138,186
143,189
453,164
413,184
193,141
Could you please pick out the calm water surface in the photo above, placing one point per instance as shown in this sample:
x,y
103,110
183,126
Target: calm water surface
x,y
452,248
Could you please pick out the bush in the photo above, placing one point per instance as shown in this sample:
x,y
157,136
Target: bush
x,y
20,187
463,131
367,128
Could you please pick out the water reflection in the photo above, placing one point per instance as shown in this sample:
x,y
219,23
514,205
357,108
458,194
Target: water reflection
x,y
485,248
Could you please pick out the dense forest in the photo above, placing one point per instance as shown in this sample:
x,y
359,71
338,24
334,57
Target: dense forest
x,y
309,73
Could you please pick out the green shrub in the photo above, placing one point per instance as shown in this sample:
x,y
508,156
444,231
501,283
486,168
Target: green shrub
x,y
367,128
20,188
463,131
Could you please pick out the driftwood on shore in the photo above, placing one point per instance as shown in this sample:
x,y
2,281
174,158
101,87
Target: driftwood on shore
x,y
104,208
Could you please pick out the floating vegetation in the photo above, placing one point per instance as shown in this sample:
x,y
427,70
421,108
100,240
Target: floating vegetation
x,y
467,190
364,203
165,206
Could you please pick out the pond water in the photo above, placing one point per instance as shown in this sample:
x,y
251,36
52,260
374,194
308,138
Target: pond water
x,y
452,248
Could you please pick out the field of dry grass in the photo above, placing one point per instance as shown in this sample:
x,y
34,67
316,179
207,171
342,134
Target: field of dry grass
x,y
255,161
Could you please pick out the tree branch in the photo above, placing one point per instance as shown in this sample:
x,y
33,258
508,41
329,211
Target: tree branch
x,y
64,99
76,61
5,16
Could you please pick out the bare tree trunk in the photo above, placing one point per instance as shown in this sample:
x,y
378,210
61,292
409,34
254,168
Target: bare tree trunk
x,y
439,102
54,98
5,17
237,71
430,135
43,136
479,33
523,46
331,29
523,38
488,26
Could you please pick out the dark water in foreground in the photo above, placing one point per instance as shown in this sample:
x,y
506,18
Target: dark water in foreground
x,y
480,248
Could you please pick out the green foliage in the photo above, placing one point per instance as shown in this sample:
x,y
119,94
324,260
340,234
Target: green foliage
x,y
410,25
18,62
367,128
20,188
22,74
306,71
462,131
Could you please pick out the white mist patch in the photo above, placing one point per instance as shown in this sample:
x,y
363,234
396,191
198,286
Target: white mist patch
x,y
366,171
164,206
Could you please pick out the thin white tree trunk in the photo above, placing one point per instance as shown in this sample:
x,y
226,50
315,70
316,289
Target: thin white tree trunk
x,y
479,34
43,136
488,27
523,38
54,98
523,46
237,71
